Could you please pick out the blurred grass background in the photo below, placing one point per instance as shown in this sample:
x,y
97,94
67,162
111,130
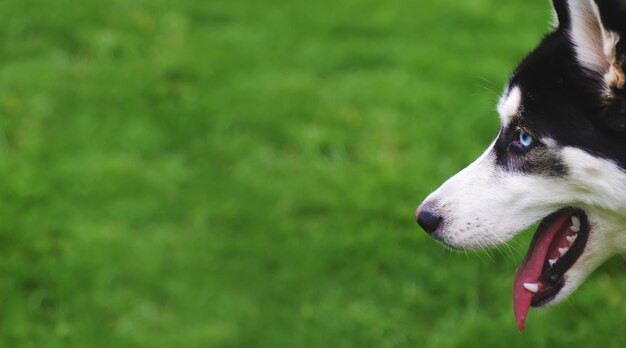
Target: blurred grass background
x,y
239,173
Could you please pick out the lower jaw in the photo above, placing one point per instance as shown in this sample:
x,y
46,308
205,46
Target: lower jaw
x,y
541,276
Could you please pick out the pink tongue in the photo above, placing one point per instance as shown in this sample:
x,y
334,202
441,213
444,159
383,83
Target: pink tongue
x,y
530,269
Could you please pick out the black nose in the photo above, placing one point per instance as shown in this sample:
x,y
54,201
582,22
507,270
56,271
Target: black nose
x,y
429,221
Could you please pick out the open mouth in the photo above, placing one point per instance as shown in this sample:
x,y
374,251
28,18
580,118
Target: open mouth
x,y
557,244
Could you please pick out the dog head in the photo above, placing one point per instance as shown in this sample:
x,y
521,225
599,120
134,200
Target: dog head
x,y
559,158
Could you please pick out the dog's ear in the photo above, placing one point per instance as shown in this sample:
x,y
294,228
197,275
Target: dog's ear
x,y
593,28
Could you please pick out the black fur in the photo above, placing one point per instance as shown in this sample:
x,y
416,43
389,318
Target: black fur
x,y
560,7
565,102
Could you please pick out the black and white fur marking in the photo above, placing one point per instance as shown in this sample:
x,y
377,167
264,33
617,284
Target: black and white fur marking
x,y
570,95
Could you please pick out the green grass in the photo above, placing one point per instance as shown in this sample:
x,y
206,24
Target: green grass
x,y
239,173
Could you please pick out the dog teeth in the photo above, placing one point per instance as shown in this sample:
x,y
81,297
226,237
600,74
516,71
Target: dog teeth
x,y
532,287
571,239
562,251
574,228
575,221
552,262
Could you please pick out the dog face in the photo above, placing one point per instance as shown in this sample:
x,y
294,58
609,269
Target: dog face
x,y
559,158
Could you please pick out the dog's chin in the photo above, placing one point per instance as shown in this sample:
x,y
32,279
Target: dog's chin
x,y
549,272
559,258
571,281
576,274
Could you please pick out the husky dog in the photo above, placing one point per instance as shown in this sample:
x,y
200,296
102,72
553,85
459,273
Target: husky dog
x,y
559,158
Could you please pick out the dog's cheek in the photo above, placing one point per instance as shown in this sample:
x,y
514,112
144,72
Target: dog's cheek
x,y
597,181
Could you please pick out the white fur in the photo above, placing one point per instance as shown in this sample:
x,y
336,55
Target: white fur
x,y
602,194
484,205
597,181
509,105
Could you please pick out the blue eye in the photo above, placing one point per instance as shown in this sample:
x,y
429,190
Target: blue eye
x,y
526,139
